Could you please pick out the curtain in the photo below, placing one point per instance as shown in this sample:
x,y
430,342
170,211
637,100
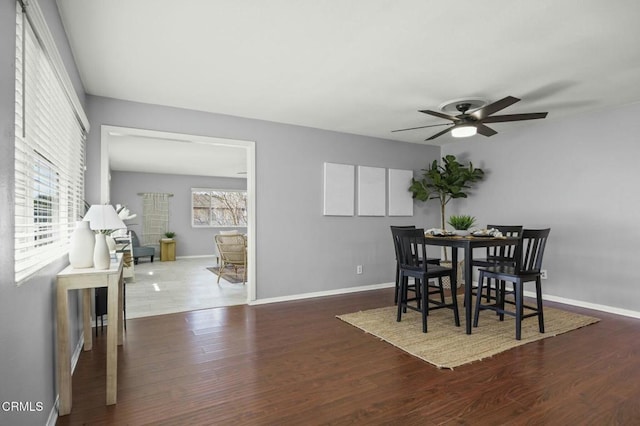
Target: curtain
x,y
155,217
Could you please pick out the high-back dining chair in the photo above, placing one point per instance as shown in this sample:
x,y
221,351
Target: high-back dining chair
x,y
412,250
527,269
501,255
396,247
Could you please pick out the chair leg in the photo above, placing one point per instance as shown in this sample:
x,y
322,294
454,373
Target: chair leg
x,y
478,298
502,292
442,289
539,300
424,309
454,301
395,297
518,287
401,292
220,271
404,296
488,291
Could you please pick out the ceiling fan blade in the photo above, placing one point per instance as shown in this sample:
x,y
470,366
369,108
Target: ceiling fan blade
x,y
422,127
487,110
514,117
439,114
445,131
485,130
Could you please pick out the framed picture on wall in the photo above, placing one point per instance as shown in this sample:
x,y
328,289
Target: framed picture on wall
x,y
400,200
339,189
371,191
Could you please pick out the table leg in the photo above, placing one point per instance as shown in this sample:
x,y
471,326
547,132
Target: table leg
x,y
468,274
112,339
86,319
121,309
64,360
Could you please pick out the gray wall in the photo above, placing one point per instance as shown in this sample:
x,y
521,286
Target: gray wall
x,y
27,313
190,241
577,176
298,249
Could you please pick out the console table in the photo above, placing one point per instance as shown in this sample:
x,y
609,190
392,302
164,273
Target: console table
x,y
85,279
167,249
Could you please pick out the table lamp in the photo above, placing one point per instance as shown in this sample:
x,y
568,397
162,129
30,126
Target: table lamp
x,y
102,217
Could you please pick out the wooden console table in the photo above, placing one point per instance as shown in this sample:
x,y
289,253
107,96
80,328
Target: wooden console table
x,y
85,279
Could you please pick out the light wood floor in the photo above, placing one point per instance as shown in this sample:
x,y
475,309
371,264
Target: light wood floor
x,y
294,363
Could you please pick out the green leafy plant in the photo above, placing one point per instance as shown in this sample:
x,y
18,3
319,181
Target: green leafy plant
x,y
169,234
461,222
445,181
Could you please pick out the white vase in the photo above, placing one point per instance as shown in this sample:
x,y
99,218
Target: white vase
x,y
82,243
101,256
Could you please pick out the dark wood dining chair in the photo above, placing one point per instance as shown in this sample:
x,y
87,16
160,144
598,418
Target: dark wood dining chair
x,y
527,269
396,247
427,278
498,256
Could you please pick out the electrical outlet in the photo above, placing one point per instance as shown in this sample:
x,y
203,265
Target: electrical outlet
x,y
359,269
543,274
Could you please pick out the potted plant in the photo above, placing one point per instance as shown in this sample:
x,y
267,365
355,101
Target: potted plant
x,y
445,181
169,235
461,223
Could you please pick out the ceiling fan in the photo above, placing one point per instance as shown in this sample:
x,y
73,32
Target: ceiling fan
x,y
468,124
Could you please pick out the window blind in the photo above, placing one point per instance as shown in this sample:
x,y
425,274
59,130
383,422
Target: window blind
x,y
49,152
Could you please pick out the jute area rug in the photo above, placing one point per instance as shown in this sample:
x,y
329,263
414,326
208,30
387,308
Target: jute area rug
x,y
229,274
447,346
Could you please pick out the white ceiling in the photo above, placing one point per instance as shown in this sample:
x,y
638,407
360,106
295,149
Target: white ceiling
x,y
359,66
148,151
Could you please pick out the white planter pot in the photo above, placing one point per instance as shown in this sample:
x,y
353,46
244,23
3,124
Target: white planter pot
x,y
461,232
82,244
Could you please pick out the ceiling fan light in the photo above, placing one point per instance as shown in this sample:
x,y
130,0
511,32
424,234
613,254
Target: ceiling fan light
x,y
464,131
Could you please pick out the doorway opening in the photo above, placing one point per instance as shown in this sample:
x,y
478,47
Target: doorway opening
x,y
131,150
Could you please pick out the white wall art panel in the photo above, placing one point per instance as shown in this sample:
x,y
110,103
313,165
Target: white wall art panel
x,y
371,191
339,189
400,201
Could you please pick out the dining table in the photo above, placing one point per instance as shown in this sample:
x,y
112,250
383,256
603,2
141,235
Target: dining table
x,y
467,244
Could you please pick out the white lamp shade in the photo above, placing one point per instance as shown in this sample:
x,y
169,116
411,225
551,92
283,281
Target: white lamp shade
x,y
463,131
103,216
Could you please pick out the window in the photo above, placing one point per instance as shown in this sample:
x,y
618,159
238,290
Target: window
x,y
50,129
218,208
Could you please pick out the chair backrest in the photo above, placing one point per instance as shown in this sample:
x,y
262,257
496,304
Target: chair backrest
x,y
412,248
533,244
396,241
135,242
505,252
232,247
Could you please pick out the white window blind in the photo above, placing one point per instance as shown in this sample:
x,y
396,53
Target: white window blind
x,y
49,152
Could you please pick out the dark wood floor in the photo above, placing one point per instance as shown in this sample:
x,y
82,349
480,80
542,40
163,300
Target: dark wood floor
x,y
294,363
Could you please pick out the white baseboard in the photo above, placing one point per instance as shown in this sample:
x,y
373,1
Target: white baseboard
x,y
551,298
53,414
587,305
582,304
199,256
321,293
